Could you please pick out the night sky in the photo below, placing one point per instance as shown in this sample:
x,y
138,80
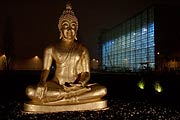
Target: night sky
x,y
34,22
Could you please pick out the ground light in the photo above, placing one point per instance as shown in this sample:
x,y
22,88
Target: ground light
x,y
158,87
141,84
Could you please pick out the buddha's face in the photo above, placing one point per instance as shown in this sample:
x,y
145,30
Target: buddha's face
x,y
68,30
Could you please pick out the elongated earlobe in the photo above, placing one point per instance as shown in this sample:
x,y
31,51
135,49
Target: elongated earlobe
x,y
60,37
75,38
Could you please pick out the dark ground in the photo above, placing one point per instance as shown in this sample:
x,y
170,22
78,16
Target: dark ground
x,y
125,99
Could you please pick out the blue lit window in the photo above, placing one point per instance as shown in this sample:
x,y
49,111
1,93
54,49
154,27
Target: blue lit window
x,y
131,44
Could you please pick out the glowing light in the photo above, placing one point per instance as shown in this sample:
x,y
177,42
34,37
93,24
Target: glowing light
x,y
94,60
3,55
141,84
36,57
144,29
158,53
158,87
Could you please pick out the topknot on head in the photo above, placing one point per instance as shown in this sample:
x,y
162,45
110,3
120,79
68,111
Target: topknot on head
x,y
68,14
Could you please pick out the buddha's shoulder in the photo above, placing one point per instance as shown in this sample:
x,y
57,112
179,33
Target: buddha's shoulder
x,y
49,48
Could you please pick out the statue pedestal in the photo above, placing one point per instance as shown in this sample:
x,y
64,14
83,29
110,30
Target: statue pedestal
x,y
96,105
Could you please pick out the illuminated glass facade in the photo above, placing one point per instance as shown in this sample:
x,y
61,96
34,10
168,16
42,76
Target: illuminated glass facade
x,y
130,46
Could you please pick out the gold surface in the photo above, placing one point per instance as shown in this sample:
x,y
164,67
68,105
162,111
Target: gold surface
x,y
96,105
70,82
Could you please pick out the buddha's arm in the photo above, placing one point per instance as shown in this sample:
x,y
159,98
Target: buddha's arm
x,y
85,68
84,78
47,61
45,72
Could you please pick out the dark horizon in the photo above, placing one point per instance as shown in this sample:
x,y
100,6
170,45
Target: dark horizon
x,y
34,23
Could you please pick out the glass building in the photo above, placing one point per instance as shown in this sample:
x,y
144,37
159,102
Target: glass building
x,y
130,46
149,40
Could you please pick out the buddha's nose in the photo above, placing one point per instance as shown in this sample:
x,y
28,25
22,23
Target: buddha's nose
x,y
69,28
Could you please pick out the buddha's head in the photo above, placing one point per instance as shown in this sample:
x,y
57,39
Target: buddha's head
x,y
68,24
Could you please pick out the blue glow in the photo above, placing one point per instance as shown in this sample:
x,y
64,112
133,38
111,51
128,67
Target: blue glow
x,y
136,45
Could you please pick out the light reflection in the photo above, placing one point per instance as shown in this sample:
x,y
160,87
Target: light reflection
x,y
36,62
3,62
4,56
36,57
158,87
94,64
144,29
141,84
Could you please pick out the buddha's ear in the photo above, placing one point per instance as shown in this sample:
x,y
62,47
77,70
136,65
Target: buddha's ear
x,y
60,37
75,38
59,26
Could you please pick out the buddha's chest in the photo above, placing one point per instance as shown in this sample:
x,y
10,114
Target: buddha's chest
x,y
63,56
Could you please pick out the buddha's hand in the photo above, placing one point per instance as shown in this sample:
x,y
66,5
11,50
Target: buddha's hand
x,y
82,78
71,87
41,88
76,85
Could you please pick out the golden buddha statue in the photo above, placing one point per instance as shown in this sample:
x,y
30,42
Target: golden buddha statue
x,y
68,90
